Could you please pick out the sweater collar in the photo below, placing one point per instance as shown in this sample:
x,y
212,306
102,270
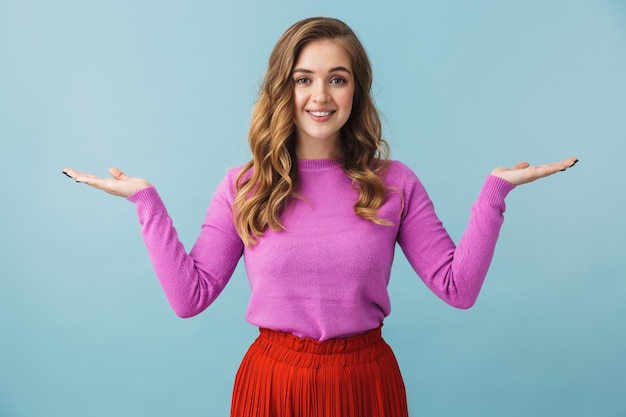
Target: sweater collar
x,y
317,164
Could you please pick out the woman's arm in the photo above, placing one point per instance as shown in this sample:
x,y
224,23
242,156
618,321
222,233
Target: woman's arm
x,y
191,281
456,273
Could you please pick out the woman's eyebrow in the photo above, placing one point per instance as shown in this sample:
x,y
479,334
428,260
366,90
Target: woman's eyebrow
x,y
334,69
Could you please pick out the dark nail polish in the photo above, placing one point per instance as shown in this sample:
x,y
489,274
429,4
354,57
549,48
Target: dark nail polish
x,y
65,173
78,182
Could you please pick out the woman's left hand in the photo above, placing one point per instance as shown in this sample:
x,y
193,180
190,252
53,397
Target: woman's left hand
x,y
523,172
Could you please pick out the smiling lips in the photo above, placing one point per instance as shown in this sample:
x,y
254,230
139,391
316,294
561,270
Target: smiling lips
x,y
320,115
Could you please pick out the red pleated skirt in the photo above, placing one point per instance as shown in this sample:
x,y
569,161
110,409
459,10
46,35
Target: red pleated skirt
x,y
282,375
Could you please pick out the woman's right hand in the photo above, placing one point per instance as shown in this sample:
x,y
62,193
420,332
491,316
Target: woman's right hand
x,y
120,185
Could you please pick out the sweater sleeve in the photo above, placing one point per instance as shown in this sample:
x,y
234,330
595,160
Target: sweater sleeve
x,y
453,273
191,281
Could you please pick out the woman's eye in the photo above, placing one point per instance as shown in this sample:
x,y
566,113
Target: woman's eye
x,y
338,81
302,80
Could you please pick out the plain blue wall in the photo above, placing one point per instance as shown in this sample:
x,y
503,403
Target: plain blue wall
x,y
164,90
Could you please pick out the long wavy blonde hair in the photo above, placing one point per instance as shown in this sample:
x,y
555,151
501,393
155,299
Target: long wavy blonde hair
x,y
270,178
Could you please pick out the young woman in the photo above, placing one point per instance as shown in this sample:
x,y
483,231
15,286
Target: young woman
x,y
316,214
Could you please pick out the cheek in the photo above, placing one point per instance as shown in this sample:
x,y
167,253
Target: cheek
x,y
299,98
347,98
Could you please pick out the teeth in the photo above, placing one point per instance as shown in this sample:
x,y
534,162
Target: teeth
x,y
320,113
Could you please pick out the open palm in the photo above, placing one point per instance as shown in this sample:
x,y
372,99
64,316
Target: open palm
x,y
523,172
120,185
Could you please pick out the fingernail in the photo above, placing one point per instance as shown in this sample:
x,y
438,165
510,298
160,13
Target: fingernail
x,y
574,163
65,173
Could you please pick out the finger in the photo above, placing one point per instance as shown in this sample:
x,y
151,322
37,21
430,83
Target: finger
x,y
570,162
91,180
117,174
549,169
77,175
70,172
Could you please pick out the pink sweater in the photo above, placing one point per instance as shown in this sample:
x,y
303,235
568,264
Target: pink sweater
x,y
326,275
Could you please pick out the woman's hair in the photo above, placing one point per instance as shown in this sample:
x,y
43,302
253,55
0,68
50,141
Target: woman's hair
x,y
270,179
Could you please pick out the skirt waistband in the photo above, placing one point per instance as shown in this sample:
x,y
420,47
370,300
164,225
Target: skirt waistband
x,y
307,345
312,354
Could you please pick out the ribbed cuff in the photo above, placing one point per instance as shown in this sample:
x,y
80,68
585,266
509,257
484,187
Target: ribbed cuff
x,y
494,190
148,202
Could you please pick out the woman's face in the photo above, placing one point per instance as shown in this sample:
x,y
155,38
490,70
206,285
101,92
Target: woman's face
x,y
323,93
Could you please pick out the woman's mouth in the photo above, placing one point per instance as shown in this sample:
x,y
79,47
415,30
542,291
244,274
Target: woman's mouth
x,y
320,113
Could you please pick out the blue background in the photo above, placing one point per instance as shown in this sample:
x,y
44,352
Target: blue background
x,y
164,90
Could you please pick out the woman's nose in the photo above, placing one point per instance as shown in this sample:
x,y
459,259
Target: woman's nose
x,y
320,93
